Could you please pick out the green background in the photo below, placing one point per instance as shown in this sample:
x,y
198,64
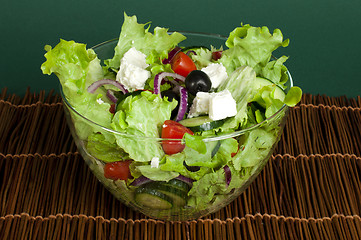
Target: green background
x,y
324,35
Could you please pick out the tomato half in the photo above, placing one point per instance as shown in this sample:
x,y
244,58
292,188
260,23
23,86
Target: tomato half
x,y
117,170
182,64
175,130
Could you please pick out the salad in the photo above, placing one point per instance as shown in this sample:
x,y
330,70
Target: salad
x,y
166,118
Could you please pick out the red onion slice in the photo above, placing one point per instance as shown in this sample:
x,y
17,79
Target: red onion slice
x,y
111,96
140,181
228,174
191,51
94,86
217,55
159,78
183,104
171,55
185,179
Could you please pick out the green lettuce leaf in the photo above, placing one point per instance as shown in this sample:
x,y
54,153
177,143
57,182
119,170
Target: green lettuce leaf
x,y
217,154
141,115
227,147
195,142
255,147
175,163
77,68
276,72
241,86
203,190
251,46
100,148
156,174
134,34
293,96
238,179
202,58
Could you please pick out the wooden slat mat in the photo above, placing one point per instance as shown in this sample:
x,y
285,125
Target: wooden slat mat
x,y
310,188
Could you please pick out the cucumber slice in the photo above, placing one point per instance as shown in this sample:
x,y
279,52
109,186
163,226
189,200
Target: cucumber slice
x,y
201,123
179,196
153,198
178,184
277,93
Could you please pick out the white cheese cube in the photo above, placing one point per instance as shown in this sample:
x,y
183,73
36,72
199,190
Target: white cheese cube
x,y
217,73
100,101
132,77
132,72
154,163
222,105
200,104
135,57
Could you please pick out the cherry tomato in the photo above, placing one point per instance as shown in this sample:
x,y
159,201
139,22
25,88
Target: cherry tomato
x,y
117,170
182,64
175,130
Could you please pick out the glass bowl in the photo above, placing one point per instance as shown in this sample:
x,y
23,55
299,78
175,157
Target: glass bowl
x,y
181,199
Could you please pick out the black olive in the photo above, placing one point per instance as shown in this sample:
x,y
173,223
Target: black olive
x,y
191,168
172,95
198,81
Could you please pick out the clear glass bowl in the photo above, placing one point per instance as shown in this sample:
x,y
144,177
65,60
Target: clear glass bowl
x,y
179,210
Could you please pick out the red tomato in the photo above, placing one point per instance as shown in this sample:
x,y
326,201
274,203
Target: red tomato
x,y
175,130
182,64
117,170
234,154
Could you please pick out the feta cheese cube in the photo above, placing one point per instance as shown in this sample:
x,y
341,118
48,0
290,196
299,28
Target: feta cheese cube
x,y
200,104
216,72
135,57
132,72
100,101
222,105
218,105
154,163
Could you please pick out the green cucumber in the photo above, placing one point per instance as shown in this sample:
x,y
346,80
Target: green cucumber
x,y
179,196
201,123
153,198
178,184
278,93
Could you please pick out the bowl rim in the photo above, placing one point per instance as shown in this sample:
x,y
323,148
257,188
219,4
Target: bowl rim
x,y
206,138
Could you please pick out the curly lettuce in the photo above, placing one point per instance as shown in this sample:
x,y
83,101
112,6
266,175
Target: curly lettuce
x,y
133,34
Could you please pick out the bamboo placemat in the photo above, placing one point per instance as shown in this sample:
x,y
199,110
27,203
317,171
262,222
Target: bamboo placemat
x,y
310,188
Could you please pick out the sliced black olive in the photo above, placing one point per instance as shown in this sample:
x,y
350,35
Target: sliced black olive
x,y
172,95
198,81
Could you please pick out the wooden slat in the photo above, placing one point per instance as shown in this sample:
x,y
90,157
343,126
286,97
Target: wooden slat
x,y
310,188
